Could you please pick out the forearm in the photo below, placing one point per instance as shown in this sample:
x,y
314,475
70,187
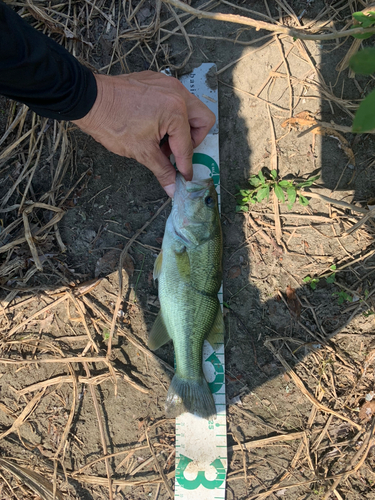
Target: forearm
x,y
128,114
39,72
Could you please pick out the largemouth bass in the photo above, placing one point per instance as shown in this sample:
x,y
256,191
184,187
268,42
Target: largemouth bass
x,y
189,270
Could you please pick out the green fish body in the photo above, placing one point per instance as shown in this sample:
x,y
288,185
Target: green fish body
x,y
189,270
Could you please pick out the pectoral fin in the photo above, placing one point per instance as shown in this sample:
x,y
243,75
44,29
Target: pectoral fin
x,y
217,331
158,335
183,264
157,265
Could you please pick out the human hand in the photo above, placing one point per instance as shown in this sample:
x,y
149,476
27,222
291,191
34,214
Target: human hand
x,y
133,113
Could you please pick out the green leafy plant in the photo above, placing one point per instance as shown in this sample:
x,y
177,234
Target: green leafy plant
x,y
343,296
313,282
366,314
261,189
332,277
363,20
106,334
363,63
319,492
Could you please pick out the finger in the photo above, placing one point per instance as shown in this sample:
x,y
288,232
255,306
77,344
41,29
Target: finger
x,y
170,189
162,168
198,135
200,126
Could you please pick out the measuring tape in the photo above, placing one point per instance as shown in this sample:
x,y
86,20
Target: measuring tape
x,y
201,445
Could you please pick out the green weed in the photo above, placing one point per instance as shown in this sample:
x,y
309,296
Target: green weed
x,y
313,282
342,297
363,20
363,63
366,314
332,277
262,188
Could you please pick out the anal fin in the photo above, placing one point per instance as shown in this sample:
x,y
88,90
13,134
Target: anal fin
x,y
158,335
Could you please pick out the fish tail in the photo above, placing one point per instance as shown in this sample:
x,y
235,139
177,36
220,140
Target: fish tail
x,y
193,396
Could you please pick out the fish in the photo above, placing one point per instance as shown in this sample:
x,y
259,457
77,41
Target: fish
x,y
189,274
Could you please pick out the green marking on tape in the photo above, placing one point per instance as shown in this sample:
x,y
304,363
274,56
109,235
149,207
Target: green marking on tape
x,y
217,384
208,162
193,484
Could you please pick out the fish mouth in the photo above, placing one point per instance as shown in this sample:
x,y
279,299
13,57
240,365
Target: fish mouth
x,y
180,235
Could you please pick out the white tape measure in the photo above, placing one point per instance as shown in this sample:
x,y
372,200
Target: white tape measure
x,y
201,445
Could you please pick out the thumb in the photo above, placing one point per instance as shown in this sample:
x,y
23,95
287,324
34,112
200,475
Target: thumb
x,y
163,170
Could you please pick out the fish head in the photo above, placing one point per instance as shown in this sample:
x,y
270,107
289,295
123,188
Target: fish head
x,y
195,213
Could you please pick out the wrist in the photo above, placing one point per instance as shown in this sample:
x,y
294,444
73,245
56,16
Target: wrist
x,y
93,120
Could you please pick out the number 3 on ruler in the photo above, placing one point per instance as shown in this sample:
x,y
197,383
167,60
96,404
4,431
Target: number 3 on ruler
x,y
201,479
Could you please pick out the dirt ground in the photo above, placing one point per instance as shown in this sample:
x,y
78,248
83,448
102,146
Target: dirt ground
x,y
299,355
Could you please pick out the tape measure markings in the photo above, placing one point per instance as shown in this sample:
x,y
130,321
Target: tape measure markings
x,y
201,459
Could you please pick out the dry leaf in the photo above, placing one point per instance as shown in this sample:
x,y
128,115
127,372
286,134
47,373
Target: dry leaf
x,y
234,272
302,119
141,424
129,265
45,323
367,411
293,302
109,262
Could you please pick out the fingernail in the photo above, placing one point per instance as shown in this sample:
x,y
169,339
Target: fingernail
x,y
170,189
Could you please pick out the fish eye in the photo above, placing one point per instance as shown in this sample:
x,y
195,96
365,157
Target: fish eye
x,y
209,201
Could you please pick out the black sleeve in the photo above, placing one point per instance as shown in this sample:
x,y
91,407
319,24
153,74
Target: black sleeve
x,y
39,72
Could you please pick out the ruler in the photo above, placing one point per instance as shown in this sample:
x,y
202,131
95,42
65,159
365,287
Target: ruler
x,y
201,445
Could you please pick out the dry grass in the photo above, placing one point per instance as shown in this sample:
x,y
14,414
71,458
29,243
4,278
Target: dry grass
x,y
333,383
